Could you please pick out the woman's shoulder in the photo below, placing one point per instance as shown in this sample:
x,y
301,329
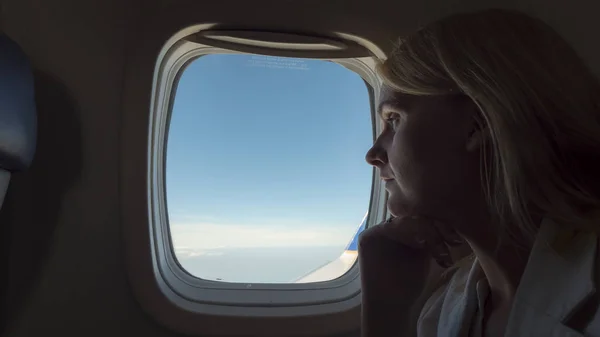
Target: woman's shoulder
x,y
559,285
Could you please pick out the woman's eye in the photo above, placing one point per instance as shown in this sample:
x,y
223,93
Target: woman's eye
x,y
393,121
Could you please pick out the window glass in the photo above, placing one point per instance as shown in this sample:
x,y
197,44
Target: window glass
x,y
265,174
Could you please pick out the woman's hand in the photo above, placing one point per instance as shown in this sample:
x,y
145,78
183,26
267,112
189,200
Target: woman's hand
x,y
427,236
396,267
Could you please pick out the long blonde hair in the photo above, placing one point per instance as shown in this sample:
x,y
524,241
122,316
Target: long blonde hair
x,y
538,100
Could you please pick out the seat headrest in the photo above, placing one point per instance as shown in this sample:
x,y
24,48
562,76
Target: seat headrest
x,y
18,119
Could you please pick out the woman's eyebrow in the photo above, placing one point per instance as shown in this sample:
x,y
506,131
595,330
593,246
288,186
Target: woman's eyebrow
x,y
391,104
382,106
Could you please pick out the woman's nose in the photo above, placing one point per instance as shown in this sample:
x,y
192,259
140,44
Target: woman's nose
x,y
376,156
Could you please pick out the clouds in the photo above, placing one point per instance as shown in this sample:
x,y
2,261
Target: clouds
x,y
271,250
188,252
203,238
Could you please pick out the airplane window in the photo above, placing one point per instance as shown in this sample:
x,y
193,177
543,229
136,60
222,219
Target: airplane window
x,y
265,174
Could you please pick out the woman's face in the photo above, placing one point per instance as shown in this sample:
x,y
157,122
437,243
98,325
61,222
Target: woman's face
x,y
428,155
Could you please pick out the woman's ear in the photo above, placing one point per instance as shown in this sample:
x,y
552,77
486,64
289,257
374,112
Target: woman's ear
x,y
478,135
477,129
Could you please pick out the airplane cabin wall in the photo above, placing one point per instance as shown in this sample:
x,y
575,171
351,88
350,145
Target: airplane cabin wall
x,y
62,219
66,273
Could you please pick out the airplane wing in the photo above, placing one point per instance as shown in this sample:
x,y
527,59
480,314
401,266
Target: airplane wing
x,y
339,266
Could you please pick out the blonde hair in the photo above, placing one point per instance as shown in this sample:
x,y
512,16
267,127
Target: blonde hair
x,y
538,100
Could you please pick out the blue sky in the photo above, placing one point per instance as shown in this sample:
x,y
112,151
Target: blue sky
x,y
267,152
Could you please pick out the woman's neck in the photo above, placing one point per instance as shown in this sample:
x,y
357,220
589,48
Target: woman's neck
x,y
503,261
503,269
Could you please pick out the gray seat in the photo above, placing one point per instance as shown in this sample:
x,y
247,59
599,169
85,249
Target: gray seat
x,y
18,120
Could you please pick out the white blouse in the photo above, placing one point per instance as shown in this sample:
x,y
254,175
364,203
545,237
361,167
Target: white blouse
x,y
553,287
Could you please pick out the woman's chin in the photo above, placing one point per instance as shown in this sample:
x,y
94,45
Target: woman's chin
x,y
396,208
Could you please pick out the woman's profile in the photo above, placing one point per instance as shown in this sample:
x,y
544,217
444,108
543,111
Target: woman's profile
x,y
490,146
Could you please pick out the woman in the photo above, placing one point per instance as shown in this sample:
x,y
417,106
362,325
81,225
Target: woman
x,y
491,137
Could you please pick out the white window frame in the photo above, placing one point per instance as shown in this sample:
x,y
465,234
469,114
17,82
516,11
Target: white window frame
x,y
190,297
